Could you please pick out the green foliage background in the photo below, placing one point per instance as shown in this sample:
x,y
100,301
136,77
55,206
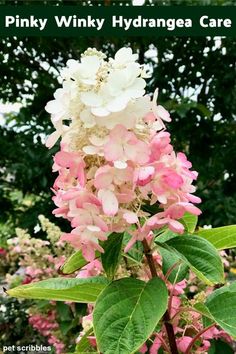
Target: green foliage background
x,y
197,82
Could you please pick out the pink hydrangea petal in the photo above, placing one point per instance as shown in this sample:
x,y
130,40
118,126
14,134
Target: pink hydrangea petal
x,y
183,343
163,113
131,218
52,139
109,202
155,346
113,151
176,226
103,180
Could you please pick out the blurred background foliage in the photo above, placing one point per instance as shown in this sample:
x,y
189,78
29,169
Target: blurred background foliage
x,y
197,82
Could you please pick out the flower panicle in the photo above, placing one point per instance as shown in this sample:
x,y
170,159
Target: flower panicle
x,y
115,154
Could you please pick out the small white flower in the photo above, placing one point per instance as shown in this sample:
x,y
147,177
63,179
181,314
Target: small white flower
x,y
84,72
3,308
122,87
126,82
37,228
59,108
66,103
124,56
207,226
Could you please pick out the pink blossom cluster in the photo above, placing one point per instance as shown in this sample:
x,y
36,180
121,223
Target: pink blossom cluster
x,y
108,171
3,252
33,255
187,325
46,325
50,268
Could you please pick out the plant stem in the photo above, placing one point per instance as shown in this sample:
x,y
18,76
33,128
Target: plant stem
x,y
170,333
196,338
166,317
171,269
165,346
150,260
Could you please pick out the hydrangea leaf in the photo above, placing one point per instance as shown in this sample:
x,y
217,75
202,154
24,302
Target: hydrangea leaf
x,y
221,237
190,222
62,289
75,262
169,260
222,307
220,346
199,255
112,253
136,251
127,312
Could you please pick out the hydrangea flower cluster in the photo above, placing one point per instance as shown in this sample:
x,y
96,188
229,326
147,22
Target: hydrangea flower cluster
x,y
34,256
115,154
46,325
32,259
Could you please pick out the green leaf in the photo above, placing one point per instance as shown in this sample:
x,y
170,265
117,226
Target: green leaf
x,y
62,289
63,311
220,347
169,259
166,235
222,307
75,262
220,237
112,253
202,308
136,252
190,222
65,326
203,109
43,304
84,344
199,255
127,312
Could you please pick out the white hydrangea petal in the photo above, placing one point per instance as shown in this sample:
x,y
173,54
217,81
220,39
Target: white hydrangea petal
x,y
118,104
53,107
72,64
163,113
158,125
120,164
89,81
100,111
133,93
87,118
90,64
116,82
97,141
138,84
91,99
90,150
123,56
155,96
131,73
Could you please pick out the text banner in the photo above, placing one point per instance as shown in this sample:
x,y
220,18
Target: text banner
x,y
45,20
